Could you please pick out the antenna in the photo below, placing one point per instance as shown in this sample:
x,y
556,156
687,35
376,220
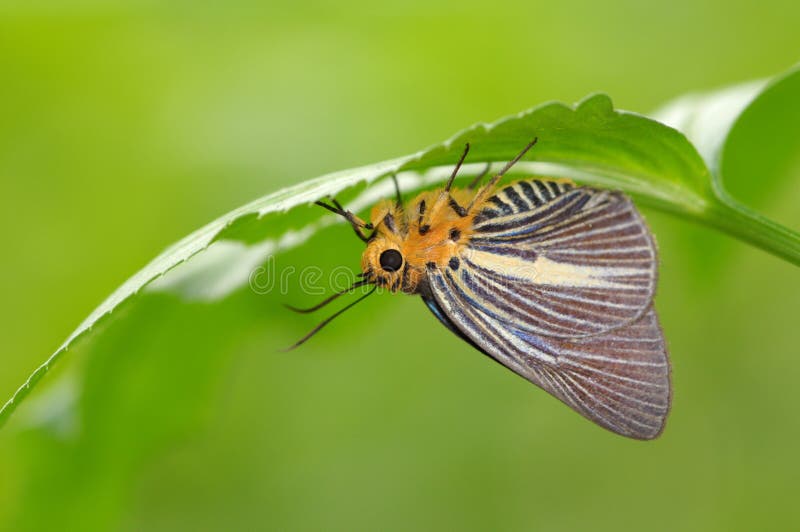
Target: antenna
x,y
326,321
327,300
512,162
458,166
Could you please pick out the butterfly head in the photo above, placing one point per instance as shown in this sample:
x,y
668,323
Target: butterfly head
x,y
383,261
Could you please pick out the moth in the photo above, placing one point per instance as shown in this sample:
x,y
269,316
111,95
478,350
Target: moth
x,y
552,280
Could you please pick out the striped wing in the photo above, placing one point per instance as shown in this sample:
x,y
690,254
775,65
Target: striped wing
x,y
618,379
559,261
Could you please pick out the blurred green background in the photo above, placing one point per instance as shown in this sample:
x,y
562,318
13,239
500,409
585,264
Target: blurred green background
x,y
126,125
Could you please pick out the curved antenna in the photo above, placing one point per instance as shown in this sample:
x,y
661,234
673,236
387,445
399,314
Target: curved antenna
x,y
486,189
327,300
458,166
319,327
513,161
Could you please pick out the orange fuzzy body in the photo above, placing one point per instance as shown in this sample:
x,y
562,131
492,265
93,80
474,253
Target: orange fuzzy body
x,y
403,228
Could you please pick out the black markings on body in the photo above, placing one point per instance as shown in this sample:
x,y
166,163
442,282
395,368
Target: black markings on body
x,y
459,210
388,221
423,228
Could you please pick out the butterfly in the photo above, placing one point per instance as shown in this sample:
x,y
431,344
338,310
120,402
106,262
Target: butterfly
x,y
552,280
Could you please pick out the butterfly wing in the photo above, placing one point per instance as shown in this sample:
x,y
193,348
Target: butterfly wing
x,y
584,328
559,261
618,379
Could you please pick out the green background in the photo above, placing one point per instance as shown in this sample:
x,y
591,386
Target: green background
x,y
126,125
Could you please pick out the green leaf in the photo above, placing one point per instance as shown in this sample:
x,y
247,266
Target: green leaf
x,y
730,128
590,143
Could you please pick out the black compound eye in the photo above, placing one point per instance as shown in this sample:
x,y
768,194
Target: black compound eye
x,y
391,260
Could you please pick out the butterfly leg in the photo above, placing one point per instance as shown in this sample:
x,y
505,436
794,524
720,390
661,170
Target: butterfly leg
x,y
355,222
398,196
478,177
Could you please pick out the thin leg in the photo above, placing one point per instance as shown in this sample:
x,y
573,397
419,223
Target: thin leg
x,y
398,195
337,204
355,222
480,176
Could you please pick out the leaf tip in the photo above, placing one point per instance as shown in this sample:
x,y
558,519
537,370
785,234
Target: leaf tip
x,y
596,103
